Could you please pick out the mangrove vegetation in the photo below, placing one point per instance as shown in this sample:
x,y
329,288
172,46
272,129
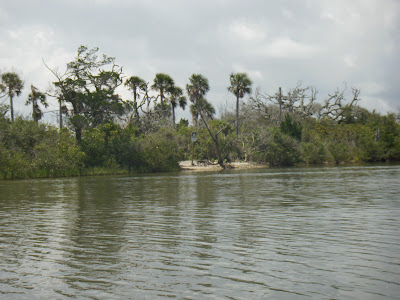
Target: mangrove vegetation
x,y
99,132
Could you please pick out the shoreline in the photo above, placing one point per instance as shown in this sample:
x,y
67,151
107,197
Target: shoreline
x,y
208,166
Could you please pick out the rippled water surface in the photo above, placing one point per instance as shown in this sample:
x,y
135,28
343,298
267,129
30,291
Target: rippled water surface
x,y
324,233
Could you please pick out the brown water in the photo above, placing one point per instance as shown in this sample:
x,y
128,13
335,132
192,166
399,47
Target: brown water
x,y
324,233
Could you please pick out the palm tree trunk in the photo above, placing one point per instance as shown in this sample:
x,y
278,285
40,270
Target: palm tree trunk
x,y
11,108
237,115
173,116
33,110
135,106
61,120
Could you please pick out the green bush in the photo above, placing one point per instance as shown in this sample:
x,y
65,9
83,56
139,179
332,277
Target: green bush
x,y
280,149
159,151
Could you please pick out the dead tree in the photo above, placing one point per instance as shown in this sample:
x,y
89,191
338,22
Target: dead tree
x,y
337,109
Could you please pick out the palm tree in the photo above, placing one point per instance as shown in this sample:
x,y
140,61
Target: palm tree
x,y
136,85
177,98
202,108
12,85
196,89
33,98
162,84
240,86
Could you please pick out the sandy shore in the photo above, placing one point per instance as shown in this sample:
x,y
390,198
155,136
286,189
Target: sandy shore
x,y
203,166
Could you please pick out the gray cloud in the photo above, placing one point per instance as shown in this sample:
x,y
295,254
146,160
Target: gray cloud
x,y
322,43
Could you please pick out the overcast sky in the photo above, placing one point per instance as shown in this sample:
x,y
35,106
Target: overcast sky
x,y
278,43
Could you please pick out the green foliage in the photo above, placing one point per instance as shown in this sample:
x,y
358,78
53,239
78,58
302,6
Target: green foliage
x,y
291,127
283,150
158,151
163,83
34,98
240,86
197,88
147,142
28,149
90,90
12,85
57,154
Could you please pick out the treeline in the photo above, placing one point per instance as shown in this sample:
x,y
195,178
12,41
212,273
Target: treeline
x,y
101,133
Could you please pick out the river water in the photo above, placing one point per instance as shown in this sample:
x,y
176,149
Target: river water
x,y
319,232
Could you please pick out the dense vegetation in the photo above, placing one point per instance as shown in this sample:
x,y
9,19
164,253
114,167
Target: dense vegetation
x,y
100,133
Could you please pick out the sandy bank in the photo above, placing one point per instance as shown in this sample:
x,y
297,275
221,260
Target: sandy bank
x,y
208,166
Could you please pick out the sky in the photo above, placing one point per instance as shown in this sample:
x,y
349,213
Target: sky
x,y
326,44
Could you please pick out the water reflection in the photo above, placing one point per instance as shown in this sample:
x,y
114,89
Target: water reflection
x,y
280,233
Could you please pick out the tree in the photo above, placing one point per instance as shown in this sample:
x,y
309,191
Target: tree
x,y
33,99
136,85
205,110
299,102
163,83
337,110
240,86
12,85
196,89
177,98
90,89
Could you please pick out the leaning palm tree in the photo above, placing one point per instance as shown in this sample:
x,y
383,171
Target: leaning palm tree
x,y
33,99
177,98
162,84
196,89
136,85
240,86
12,85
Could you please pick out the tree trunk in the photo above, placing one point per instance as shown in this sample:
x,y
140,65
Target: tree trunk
x,y
216,142
220,160
135,107
162,99
78,134
237,115
61,120
33,110
173,116
11,108
280,105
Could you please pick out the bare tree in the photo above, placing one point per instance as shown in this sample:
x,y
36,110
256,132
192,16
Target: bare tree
x,y
299,101
337,109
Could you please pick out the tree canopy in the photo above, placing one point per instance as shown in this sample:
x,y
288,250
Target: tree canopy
x,y
240,86
12,85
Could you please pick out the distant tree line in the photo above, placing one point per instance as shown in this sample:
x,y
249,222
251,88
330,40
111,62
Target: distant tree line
x,y
101,133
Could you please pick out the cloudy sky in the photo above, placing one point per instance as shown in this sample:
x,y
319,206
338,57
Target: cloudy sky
x,y
278,43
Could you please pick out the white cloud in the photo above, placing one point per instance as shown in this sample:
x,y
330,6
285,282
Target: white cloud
x,y
253,74
371,88
288,14
285,47
391,14
350,61
331,17
377,103
322,42
246,32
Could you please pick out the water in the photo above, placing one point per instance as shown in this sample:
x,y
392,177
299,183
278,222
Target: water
x,y
323,233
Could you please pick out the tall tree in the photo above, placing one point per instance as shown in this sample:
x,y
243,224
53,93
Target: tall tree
x,y
177,98
240,86
205,111
90,89
136,85
163,83
12,85
34,97
197,88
